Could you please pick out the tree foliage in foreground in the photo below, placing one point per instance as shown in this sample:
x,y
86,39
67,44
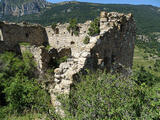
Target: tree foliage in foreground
x,y
103,96
20,92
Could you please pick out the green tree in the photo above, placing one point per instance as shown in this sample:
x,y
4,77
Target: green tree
x,y
54,25
19,86
86,40
94,27
73,27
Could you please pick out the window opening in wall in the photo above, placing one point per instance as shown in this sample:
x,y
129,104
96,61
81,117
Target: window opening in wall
x,y
27,35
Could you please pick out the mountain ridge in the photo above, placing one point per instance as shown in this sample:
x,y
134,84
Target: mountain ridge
x,y
147,16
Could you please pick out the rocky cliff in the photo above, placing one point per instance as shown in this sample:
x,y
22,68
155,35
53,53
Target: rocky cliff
x,y
22,7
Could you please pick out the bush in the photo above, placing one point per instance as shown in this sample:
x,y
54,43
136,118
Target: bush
x,y
61,60
86,40
103,96
25,44
54,25
73,28
48,47
144,77
22,91
94,27
157,66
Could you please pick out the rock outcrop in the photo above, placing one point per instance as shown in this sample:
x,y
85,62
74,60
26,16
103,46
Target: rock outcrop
x,y
22,7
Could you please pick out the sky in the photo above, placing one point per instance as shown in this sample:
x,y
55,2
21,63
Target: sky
x,y
146,2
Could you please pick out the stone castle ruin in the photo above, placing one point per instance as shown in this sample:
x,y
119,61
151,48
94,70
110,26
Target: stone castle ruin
x,y
112,49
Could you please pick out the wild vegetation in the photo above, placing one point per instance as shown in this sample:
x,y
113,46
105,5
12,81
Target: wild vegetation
x,y
105,96
20,91
73,27
100,95
97,96
94,27
86,40
54,25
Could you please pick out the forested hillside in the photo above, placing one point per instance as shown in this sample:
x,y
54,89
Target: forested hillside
x,y
147,17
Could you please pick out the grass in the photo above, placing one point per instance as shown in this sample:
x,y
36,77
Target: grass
x,y
24,44
144,59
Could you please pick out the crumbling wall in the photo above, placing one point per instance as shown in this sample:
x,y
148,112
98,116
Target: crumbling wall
x,y
13,34
64,39
40,56
112,49
115,44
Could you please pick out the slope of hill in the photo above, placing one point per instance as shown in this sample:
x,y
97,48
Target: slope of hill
x,y
147,17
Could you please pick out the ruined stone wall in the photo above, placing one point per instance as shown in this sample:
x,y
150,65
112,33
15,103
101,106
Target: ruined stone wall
x,y
13,34
115,45
40,56
64,39
112,50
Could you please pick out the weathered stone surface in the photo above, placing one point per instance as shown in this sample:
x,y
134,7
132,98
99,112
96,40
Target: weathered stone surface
x,y
111,50
40,54
13,34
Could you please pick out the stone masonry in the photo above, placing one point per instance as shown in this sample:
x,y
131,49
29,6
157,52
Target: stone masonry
x,y
12,34
41,57
111,50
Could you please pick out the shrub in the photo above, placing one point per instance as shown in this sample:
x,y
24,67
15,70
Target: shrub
x,y
19,85
26,95
48,47
144,77
54,25
103,96
73,28
157,66
86,40
94,27
61,60
24,43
